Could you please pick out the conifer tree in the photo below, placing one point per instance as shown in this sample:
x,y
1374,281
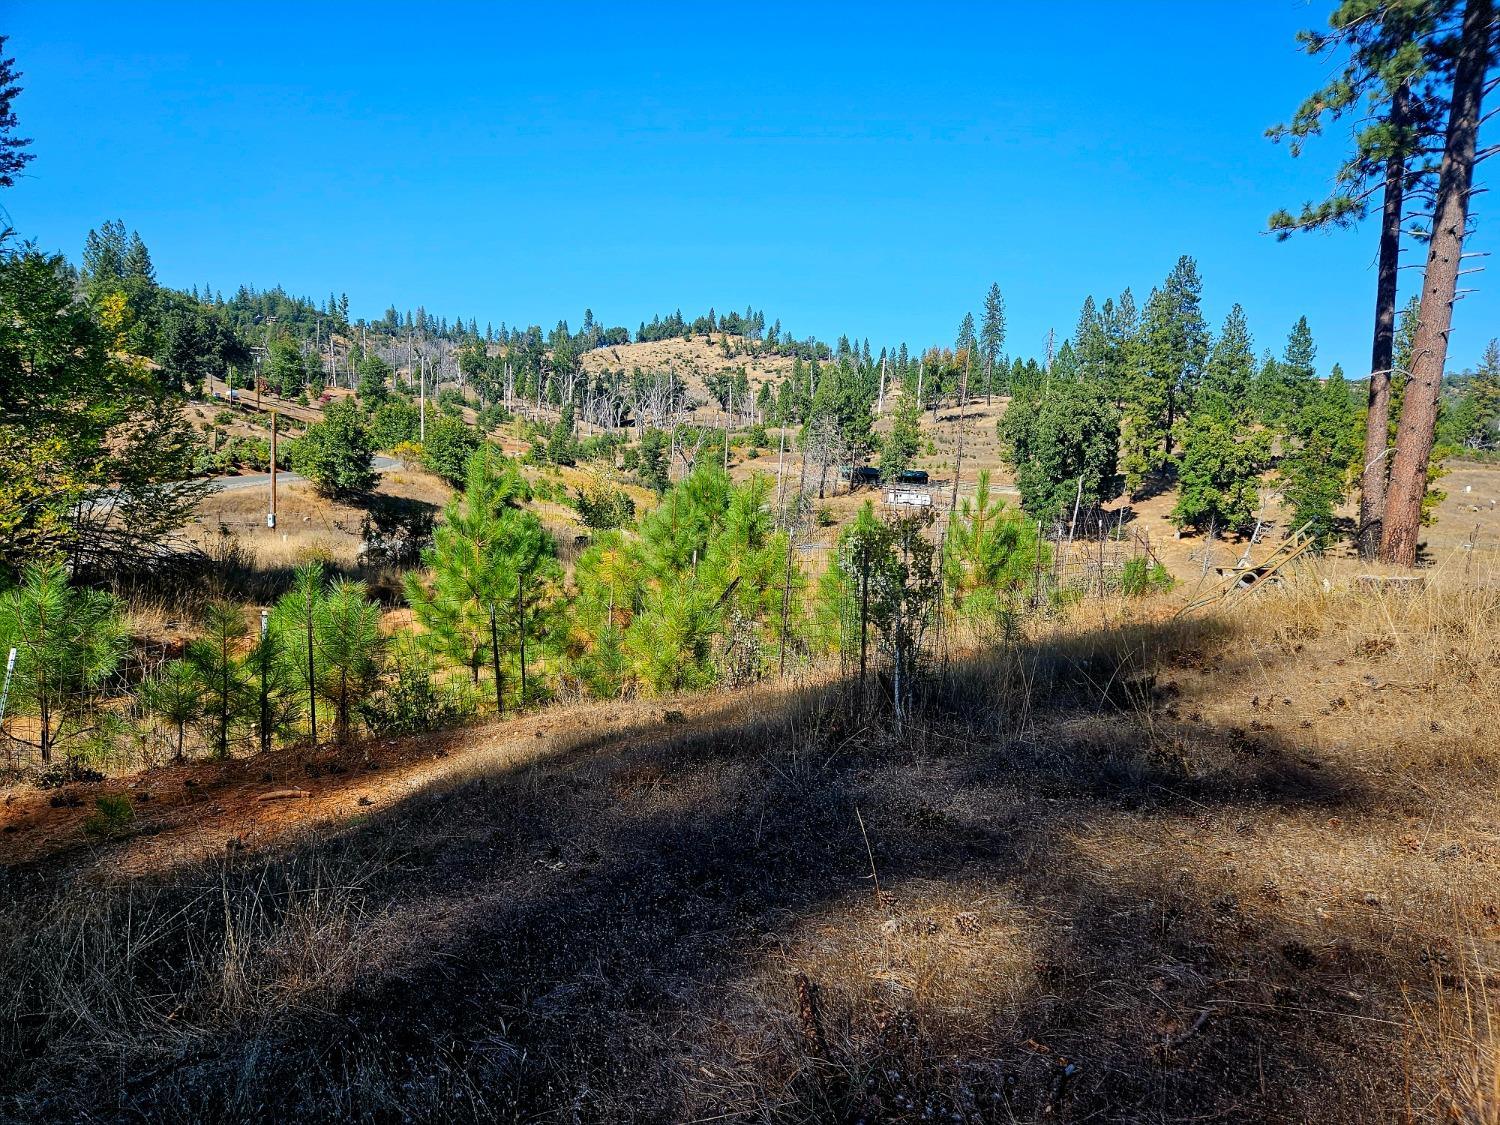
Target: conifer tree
x,y
67,642
1393,62
1417,431
174,694
1219,473
1285,386
137,262
1172,350
1064,447
350,647
1221,455
294,623
1324,458
230,701
991,338
532,571
899,446
1091,343
464,602
12,159
991,552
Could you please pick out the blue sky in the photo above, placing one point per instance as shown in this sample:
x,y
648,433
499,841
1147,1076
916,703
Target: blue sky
x,y
865,169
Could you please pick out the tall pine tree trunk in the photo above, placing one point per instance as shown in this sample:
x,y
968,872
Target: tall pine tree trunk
x,y
1378,419
1414,438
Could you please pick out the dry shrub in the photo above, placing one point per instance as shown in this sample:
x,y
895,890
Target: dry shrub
x,y
149,970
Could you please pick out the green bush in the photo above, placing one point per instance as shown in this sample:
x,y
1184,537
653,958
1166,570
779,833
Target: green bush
x,y
112,815
601,507
394,422
1140,578
449,445
413,702
336,453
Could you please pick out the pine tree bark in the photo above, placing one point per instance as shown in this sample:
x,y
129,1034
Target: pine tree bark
x,y
1372,494
1418,429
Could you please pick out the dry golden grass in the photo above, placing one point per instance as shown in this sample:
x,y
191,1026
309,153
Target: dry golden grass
x,y
1131,867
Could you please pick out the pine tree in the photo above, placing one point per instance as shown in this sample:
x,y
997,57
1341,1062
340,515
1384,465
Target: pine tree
x,y
1410,467
460,605
899,446
350,647
991,552
174,695
1221,456
294,624
1324,458
1391,67
67,642
1173,348
230,701
991,338
12,159
137,263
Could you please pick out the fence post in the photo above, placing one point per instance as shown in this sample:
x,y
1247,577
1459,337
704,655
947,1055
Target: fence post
x,y
864,609
265,713
10,669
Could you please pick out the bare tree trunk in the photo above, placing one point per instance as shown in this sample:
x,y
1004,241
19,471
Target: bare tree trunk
x,y
1414,438
1378,419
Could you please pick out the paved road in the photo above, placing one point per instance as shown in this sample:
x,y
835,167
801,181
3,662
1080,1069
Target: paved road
x,y
381,463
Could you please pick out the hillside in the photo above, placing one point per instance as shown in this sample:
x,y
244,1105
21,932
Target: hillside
x,y
693,359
